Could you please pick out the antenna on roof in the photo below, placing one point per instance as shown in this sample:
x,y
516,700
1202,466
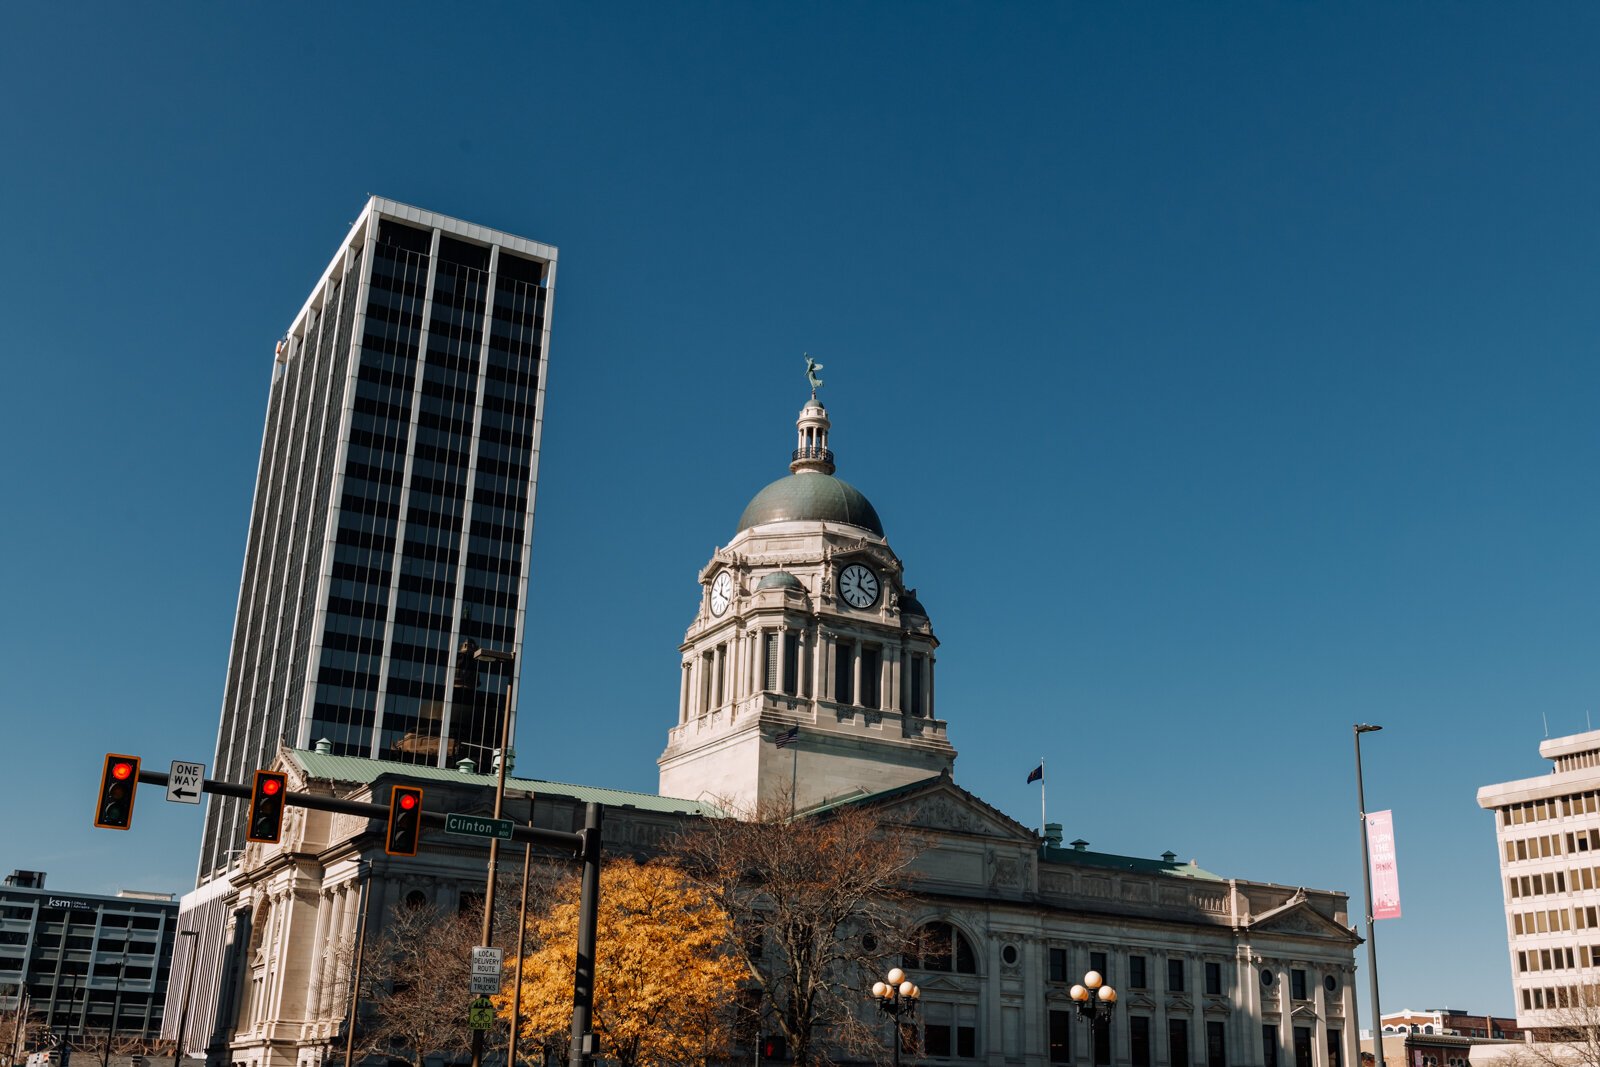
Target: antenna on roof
x,y
1546,719
1588,723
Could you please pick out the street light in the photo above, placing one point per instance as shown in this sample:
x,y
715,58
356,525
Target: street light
x,y
896,997
188,990
1095,1001
1366,878
489,655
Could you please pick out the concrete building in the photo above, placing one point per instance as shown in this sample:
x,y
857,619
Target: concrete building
x,y
1547,833
83,965
393,510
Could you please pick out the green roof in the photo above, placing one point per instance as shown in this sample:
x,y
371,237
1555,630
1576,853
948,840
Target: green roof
x,y
362,770
1086,858
811,496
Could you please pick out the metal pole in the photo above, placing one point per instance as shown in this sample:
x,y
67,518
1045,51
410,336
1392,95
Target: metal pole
x,y
486,937
116,1006
522,940
355,974
894,1038
1366,879
188,990
582,1043
18,1036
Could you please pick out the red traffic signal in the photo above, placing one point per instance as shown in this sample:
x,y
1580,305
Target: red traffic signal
x,y
118,783
774,1047
266,807
405,821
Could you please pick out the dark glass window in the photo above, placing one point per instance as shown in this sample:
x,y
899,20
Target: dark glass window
x,y
1269,1044
843,672
1175,975
1139,1040
770,680
1335,1049
1302,1046
941,947
1297,984
1060,1037
936,1039
869,676
1136,978
1058,965
1214,979
967,1042
1178,1042
1216,1045
1099,962
1102,1043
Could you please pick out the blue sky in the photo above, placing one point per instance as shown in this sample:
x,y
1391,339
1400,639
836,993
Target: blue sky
x,y
1224,375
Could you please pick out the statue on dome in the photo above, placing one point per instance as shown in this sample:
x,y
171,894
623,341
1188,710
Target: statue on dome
x,y
812,366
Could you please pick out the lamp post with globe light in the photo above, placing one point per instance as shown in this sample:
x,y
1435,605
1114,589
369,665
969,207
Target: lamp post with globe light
x,y
896,997
1095,1000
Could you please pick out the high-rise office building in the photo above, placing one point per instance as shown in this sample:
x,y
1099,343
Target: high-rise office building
x,y
393,512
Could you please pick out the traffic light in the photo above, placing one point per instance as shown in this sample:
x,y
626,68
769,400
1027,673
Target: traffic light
x,y
266,807
774,1047
405,821
118,782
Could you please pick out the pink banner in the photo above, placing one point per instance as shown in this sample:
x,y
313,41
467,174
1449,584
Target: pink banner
x,y
1380,859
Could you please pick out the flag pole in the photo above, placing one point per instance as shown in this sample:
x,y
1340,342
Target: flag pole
x,y
1041,796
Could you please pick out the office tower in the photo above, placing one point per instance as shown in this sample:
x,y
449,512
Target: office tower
x,y
1547,830
393,512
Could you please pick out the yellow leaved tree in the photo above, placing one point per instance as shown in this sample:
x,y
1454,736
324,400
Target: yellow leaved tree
x,y
666,979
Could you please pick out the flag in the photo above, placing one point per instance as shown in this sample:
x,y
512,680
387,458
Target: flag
x,y
1035,775
788,737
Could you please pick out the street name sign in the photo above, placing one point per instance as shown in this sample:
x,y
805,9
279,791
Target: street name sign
x,y
185,781
477,826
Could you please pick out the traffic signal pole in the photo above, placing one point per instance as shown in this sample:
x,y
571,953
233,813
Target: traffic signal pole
x,y
570,843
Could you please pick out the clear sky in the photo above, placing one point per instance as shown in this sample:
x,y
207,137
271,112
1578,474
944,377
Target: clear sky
x,y
1224,375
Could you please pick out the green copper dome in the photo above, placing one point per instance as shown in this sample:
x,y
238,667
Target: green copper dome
x,y
811,496
780,580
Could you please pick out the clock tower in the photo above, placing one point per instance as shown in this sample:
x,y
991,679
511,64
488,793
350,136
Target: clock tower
x,y
807,673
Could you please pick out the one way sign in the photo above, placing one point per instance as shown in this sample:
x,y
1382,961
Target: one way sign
x,y
183,784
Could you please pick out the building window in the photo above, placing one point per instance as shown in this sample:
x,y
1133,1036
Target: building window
x,y
771,649
1302,1046
1139,1040
1335,1049
1008,954
1216,1045
1266,978
1330,983
1214,979
915,705
1297,984
1058,965
1136,978
950,1030
1102,1043
941,947
1060,1037
1178,1042
844,673
1269,1045
1175,975
1099,962
870,671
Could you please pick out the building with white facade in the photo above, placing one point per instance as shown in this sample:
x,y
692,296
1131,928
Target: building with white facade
x,y
1547,833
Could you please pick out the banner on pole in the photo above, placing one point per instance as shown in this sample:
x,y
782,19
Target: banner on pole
x,y
1381,863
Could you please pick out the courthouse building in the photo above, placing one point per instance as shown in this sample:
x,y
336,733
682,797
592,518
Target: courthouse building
x,y
807,631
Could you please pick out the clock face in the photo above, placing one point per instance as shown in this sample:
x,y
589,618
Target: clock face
x,y
859,586
721,593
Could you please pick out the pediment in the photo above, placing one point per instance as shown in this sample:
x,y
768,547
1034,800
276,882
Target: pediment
x,y
1303,1013
941,806
1298,918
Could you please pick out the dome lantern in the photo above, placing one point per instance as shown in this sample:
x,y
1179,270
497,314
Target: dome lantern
x,y
811,452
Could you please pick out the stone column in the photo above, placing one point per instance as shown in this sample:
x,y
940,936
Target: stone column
x,y
1319,1032
317,1001
819,657
781,636
1160,1048
855,673
683,694
931,709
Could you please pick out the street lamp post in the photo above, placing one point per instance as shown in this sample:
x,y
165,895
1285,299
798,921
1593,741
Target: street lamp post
x,y
1095,1001
897,997
522,944
1366,878
489,655
188,990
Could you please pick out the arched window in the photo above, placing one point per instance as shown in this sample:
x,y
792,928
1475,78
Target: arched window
x,y
938,946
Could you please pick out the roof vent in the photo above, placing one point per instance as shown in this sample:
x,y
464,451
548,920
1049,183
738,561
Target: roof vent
x,y
1080,845
1169,856
323,747
1052,834
466,766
